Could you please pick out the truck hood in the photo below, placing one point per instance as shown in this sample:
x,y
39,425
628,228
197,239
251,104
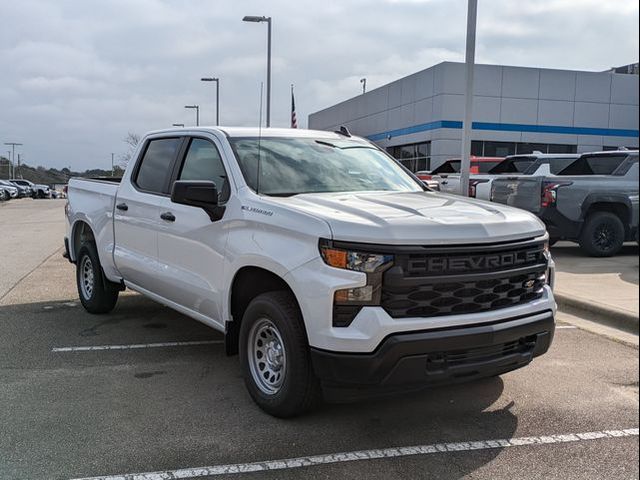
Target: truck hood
x,y
415,218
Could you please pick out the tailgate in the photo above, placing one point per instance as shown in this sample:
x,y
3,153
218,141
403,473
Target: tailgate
x,y
520,192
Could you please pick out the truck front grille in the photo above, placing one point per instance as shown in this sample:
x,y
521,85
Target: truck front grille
x,y
459,280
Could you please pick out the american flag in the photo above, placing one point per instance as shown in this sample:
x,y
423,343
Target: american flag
x,y
294,120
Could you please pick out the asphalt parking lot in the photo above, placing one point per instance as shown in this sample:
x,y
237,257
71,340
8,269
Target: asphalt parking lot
x,y
145,389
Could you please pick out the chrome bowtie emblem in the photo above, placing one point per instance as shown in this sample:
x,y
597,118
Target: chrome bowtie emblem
x,y
529,283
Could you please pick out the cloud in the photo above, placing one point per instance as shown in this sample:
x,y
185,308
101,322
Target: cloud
x,y
78,75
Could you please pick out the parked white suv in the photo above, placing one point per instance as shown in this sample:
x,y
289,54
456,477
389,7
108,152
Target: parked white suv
x,y
324,262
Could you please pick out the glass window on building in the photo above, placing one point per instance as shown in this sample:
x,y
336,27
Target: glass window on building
x,y
522,148
487,148
499,149
415,156
608,148
557,148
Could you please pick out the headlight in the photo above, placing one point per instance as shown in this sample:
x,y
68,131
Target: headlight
x,y
347,302
351,260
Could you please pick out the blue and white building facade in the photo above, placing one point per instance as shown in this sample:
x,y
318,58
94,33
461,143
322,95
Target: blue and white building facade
x,y
515,110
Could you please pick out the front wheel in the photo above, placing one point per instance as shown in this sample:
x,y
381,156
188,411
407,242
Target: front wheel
x,y
97,294
274,355
602,234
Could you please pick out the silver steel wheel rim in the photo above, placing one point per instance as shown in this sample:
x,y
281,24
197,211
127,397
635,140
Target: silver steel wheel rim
x,y
86,277
267,356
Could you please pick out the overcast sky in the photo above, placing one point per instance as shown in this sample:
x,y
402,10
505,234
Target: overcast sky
x,y
77,75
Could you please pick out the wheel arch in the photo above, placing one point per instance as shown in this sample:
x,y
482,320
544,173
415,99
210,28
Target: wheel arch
x,y
619,205
248,282
80,231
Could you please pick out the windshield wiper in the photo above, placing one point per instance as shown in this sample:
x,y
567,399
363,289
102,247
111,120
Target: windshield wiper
x,y
281,194
321,142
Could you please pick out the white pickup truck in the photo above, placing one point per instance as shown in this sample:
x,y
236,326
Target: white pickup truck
x,y
328,266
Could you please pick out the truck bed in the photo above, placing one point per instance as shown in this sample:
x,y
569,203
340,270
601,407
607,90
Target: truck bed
x,y
96,197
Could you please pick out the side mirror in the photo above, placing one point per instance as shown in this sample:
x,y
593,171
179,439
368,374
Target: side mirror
x,y
198,193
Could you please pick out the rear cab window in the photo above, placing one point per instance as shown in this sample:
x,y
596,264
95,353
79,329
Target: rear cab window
x,y
155,167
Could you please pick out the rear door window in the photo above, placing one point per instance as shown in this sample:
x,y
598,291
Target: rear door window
x,y
594,165
512,165
556,165
155,169
486,166
450,166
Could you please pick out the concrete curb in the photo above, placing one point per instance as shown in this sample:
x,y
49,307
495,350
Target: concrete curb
x,y
597,313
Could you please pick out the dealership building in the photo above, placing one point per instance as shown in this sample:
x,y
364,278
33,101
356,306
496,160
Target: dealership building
x,y
418,119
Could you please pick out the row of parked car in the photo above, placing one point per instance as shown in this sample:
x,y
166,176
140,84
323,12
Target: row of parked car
x,y
589,198
20,188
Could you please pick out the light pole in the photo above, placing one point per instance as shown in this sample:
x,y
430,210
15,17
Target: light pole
x,y
197,107
363,81
465,162
13,156
217,80
8,164
112,170
255,19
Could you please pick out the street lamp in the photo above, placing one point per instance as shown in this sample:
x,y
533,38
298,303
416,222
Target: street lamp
x,y
255,19
197,107
217,80
13,156
112,171
363,81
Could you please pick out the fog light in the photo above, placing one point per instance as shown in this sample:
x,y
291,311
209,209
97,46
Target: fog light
x,y
359,294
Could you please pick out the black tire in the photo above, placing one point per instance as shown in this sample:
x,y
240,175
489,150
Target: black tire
x,y
602,234
300,389
103,295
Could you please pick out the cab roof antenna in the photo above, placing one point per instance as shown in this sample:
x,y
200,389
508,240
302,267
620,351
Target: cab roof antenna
x,y
343,131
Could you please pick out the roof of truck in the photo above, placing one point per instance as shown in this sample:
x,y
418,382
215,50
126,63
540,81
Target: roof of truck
x,y
264,132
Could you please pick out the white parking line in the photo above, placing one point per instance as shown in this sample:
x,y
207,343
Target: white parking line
x,y
566,327
288,463
135,346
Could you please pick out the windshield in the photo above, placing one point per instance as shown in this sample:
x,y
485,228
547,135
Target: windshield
x,y
290,166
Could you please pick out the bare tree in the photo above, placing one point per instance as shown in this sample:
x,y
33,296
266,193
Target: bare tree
x,y
132,140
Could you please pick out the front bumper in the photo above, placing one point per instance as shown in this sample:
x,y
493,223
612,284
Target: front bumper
x,y
415,360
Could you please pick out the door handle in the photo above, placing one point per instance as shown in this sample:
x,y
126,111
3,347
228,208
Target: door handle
x,y
122,206
168,216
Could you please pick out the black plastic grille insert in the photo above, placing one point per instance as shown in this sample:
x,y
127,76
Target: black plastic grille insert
x,y
476,281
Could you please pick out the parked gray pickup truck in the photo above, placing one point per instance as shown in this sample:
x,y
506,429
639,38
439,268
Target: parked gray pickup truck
x,y
592,201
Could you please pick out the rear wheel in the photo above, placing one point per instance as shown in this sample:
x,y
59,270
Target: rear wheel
x,y
602,234
274,355
97,294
